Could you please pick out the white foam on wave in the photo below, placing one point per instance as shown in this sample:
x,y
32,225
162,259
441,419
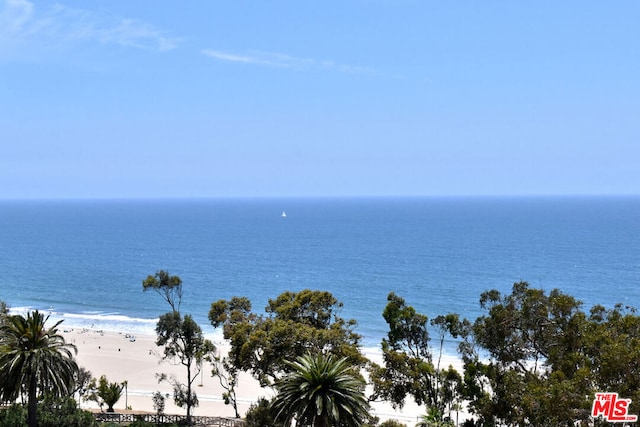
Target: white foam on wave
x,y
108,321
108,317
20,310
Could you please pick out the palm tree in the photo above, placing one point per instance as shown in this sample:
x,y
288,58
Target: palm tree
x,y
321,392
433,418
110,393
35,359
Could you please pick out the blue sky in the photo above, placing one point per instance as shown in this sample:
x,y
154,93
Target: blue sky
x,y
126,98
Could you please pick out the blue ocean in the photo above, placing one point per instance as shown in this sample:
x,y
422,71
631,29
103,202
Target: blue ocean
x,y
84,261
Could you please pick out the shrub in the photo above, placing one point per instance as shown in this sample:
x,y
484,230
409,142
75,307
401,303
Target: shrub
x,y
13,416
260,415
63,412
109,393
52,412
158,402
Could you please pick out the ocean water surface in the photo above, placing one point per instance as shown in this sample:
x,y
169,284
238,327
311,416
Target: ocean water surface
x,y
84,261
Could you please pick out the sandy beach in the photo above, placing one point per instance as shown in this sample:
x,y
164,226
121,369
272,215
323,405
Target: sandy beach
x,y
136,359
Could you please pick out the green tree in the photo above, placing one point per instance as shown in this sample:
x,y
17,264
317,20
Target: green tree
x,y
180,337
167,286
14,415
63,412
183,343
228,376
260,414
158,402
392,423
295,323
612,345
108,393
35,359
433,418
83,384
409,367
321,392
52,412
533,369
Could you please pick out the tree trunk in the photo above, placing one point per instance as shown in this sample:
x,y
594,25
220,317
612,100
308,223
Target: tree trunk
x,y
235,407
32,406
189,402
321,421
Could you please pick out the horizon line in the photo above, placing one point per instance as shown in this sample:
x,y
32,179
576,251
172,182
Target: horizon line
x,y
321,197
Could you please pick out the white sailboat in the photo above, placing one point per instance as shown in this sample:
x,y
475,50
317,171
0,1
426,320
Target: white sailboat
x,y
284,214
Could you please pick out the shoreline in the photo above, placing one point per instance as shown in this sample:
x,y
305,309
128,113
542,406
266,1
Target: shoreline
x,y
116,322
136,359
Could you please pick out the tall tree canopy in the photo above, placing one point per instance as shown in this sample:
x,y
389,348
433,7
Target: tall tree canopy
x,y
409,367
538,359
180,337
612,349
167,286
295,323
34,359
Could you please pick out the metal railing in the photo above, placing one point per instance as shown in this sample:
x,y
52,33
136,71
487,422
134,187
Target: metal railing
x,y
163,418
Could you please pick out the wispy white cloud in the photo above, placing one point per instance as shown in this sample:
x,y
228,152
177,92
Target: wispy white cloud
x,y
280,60
232,57
14,18
21,21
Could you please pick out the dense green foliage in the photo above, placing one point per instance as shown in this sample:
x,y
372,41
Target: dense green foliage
x,y
13,416
56,412
260,414
158,402
434,418
108,393
321,392
392,423
167,286
294,324
84,384
532,359
375,422
538,359
409,367
52,412
180,337
183,342
34,359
